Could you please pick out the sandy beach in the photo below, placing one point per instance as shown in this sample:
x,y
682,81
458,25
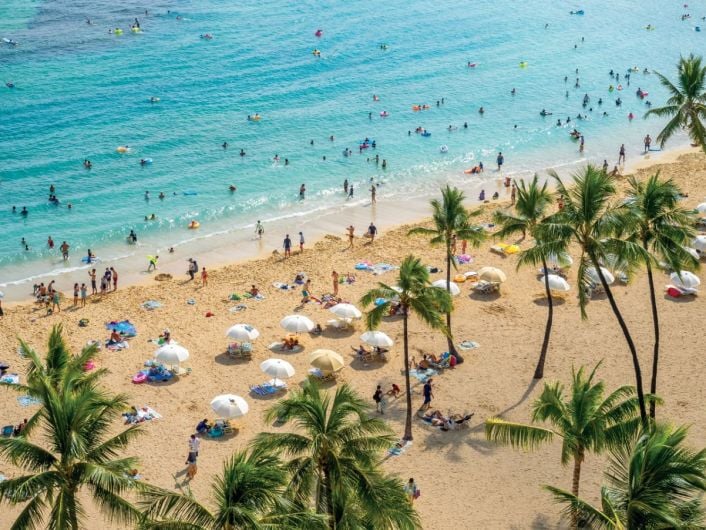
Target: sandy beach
x,y
466,482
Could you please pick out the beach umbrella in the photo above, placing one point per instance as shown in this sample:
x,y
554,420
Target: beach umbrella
x,y
171,354
326,360
699,243
701,208
377,339
453,288
492,275
2,295
277,368
593,275
556,283
563,260
693,252
685,279
229,406
346,311
243,333
297,323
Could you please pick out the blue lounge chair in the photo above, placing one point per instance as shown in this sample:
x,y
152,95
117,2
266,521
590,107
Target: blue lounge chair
x,y
7,430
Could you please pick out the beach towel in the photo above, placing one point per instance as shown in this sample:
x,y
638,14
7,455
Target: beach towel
x,y
191,301
423,375
234,297
399,448
11,379
148,413
238,308
283,286
151,304
464,259
277,346
117,346
124,327
255,297
468,345
28,401
382,268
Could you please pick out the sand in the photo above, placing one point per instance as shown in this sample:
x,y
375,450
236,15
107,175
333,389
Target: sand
x,y
466,482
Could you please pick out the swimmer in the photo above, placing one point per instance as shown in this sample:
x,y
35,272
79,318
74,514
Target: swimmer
x,y
513,91
331,138
558,123
147,195
232,188
87,163
24,211
302,191
161,195
286,161
242,152
481,110
465,125
225,145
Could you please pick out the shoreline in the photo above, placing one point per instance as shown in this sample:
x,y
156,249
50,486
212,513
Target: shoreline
x,y
227,248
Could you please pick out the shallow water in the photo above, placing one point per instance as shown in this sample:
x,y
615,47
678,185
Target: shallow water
x,y
81,92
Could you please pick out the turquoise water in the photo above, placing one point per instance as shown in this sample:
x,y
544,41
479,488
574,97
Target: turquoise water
x,y
81,92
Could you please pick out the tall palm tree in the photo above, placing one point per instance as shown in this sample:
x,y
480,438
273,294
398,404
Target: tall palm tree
x,y
248,494
585,420
531,207
654,482
686,104
591,221
451,219
416,296
332,459
79,448
654,219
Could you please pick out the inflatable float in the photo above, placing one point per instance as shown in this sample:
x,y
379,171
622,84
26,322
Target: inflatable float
x,y
118,31
426,134
145,161
459,278
384,114
316,53
194,225
122,149
255,117
579,12
139,378
154,100
472,65
523,64
444,149
135,29
92,259
417,108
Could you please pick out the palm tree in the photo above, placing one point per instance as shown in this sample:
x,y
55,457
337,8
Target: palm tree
x,y
79,449
333,459
585,420
655,220
416,295
590,221
531,207
248,494
451,219
655,482
686,104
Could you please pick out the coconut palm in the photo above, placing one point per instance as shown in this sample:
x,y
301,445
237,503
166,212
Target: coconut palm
x,y
248,494
451,220
686,105
79,447
416,296
332,459
589,220
531,207
655,482
585,420
654,219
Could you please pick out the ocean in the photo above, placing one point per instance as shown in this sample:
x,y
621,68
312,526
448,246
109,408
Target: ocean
x,y
80,92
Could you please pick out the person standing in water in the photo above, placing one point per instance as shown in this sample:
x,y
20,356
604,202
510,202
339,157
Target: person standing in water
x,y
64,250
259,230
648,142
500,160
621,154
345,186
373,191
302,191
350,191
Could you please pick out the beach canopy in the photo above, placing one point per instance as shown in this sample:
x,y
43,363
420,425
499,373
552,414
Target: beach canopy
x,y
346,311
229,406
556,283
277,368
593,275
560,261
171,354
699,243
297,324
492,275
685,279
453,288
377,339
701,208
326,360
243,333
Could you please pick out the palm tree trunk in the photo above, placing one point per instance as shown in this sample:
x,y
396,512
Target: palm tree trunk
x,y
578,459
539,370
329,499
655,324
449,337
628,339
408,420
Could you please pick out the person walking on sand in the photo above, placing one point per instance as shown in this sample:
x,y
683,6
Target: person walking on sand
x,y
193,268
621,154
334,279
287,244
301,242
513,193
76,290
204,277
428,395
55,301
92,275
115,278
411,490
372,231
377,397
152,263
648,142
350,232
84,293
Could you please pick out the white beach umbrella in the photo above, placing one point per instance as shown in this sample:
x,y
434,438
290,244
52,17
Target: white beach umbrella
x,y
346,311
243,333
685,279
453,288
562,260
277,368
326,360
171,354
593,275
377,339
556,283
693,252
701,208
297,323
699,243
492,275
229,406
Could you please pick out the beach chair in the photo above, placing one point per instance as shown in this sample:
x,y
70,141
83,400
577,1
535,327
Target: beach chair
x,y
484,287
240,351
266,389
7,430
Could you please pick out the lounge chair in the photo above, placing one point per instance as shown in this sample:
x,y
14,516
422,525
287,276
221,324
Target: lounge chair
x,y
240,351
266,389
7,430
484,287
323,376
